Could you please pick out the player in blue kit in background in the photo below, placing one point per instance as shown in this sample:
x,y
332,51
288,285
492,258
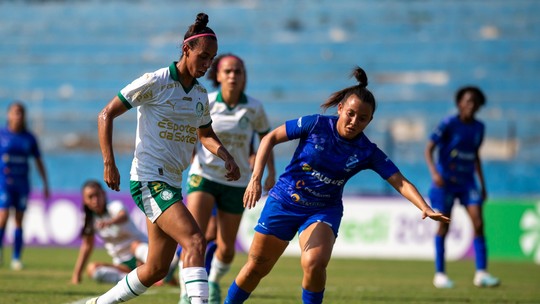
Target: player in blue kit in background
x,y
17,146
457,139
307,198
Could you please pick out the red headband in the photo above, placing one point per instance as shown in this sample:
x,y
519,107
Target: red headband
x,y
199,35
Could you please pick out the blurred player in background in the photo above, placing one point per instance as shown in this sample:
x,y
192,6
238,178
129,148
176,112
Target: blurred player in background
x,y
457,139
110,221
172,115
307,197
17,146
236,117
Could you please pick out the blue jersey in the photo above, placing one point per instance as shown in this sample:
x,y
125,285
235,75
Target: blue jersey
x,y
458,144
15,150
324,161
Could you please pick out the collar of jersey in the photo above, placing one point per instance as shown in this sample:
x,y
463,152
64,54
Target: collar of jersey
x,y
174,75
243,100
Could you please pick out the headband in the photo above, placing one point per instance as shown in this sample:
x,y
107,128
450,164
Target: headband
x,y
230,56
199,35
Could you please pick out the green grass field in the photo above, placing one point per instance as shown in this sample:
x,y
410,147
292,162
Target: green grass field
x,y
47,272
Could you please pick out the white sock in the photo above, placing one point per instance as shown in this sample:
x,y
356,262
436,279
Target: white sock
x,y
108,274
126,289
196,281
181,277
218,270
141,252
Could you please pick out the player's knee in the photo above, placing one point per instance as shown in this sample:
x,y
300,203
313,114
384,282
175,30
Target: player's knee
x,y
91,269
195,246
313,265
227,253
133,246
151,272
478,228
443,229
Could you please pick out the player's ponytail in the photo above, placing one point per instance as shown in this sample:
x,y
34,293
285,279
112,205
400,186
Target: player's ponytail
x,y
359,90
198,29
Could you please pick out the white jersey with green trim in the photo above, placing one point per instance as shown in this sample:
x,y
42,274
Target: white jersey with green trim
x,y
117,238
235,128
168,116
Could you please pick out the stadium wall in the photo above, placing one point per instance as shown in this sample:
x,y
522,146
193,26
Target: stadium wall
x,y
372,227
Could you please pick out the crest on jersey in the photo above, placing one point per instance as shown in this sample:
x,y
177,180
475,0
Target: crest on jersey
x,y
351,162
243,123
199,109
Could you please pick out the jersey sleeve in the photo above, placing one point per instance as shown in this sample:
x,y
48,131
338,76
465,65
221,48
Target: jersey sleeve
x,y
206,120
300,127
438,133
139,91
482,134
381,164
34,147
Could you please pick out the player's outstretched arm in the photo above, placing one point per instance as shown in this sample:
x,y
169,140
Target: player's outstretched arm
x,y
409,191
254,189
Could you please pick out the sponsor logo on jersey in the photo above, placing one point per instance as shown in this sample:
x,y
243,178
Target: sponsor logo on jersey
x,y
321,177
462,155
175,132
171,104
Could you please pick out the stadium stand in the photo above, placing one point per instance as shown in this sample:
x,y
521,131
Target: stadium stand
x,y
66,59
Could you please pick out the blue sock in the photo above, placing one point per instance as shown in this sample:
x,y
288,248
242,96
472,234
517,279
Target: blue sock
x,y
480,252
17,244
310,297
2,230
210,250
439,253
235,295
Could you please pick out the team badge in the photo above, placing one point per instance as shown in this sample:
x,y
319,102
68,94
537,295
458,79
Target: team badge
x,y
199,109
351,162
243,123
166,195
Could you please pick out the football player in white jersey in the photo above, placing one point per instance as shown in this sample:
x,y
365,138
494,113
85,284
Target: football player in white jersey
x,y
126,244
172,116
236,117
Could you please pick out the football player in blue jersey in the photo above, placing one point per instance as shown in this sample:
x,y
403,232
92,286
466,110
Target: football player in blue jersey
x,y
17,146
457,140
307,198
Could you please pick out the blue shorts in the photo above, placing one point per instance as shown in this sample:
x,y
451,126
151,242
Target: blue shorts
x,y
442,199
283,220
11,198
